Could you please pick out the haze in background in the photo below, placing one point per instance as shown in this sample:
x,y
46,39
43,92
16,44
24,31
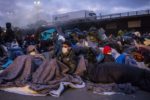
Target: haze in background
x,y
24,12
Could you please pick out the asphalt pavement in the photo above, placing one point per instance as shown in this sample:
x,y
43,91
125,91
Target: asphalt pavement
x,y
78,94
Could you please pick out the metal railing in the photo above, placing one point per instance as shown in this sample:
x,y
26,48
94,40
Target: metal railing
x,y
126,14
106,17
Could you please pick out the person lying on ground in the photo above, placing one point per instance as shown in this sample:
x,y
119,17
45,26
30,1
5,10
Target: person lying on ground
x,y
111,72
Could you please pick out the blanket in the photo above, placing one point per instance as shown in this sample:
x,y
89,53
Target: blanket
x,y
43,76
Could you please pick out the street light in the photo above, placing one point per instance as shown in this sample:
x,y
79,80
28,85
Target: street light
x,y
37,2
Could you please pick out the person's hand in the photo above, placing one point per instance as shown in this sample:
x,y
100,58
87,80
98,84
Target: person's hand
x,y
143,47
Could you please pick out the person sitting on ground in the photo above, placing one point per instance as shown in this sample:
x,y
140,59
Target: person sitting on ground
x,y
73,38
82,41
15,50
68,57
107,51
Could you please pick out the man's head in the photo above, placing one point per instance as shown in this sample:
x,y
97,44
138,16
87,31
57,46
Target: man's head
x,y
8,25
1,30
66,47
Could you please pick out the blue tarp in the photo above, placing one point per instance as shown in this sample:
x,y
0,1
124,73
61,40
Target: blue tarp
x,y
47,35
9,61
121,59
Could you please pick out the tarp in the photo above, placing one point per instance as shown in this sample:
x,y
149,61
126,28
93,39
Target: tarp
x,y
47,35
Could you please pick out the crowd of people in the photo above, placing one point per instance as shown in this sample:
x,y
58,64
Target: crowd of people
x,y
92,55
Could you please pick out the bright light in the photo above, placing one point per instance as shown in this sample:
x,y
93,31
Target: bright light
x,y
37,2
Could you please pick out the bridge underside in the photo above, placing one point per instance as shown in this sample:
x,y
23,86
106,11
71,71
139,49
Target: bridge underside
x,y
112,25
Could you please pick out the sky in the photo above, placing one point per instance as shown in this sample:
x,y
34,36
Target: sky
x,y
23,12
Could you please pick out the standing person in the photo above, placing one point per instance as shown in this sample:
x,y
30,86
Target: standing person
x,y
9,36
1,37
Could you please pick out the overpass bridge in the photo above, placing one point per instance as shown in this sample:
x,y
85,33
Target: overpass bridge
x,y
134,20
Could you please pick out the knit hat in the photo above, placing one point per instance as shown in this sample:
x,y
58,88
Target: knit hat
x,y
138,57
107,50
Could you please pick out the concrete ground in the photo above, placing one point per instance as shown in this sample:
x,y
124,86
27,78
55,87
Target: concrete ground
x,y
78,94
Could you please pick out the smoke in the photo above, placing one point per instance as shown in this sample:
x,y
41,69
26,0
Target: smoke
x,y
22,13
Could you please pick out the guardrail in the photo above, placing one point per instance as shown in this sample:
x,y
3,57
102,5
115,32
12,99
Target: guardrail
x,y
126,14
109,16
